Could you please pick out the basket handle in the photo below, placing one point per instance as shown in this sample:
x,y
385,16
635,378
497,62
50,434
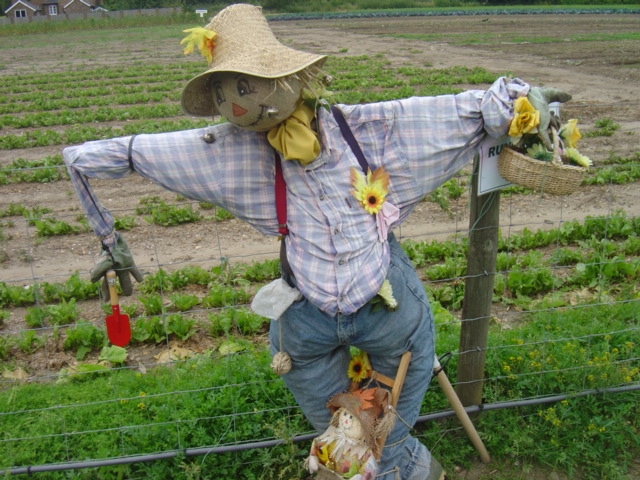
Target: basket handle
x,y
557,160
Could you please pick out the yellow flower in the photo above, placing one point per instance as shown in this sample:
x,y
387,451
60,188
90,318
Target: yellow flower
x,y
372,190
570,134
203,39
525,119
359,367
576,157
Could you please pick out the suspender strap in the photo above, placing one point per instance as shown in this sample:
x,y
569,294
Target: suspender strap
x,y
281,198
130,153
281,212
348,136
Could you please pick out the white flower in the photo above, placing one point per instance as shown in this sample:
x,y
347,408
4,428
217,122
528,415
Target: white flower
x,y
386,293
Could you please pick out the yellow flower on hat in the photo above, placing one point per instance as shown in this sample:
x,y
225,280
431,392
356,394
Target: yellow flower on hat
x,y
202,38
525,119
570,133
372,190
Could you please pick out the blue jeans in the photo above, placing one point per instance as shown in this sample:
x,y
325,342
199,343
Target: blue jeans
x,y
318,344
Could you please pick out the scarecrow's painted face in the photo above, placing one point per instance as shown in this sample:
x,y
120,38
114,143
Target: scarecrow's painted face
x,y
254,103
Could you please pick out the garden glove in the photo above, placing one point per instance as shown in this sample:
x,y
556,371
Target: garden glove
x,y
116,257
540,98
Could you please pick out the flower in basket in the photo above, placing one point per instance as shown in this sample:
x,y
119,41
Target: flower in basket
x,y
525,120
569,136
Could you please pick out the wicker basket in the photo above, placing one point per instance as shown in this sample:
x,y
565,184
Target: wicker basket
x,y
552,177
549,177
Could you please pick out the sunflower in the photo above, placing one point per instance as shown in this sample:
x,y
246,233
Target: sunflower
x,y
202,38
359,367
372,190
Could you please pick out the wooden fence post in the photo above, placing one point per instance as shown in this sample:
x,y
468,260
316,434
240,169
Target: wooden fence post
x,y
478,291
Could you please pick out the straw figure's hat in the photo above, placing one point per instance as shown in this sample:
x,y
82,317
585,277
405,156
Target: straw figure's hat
x,y
244,43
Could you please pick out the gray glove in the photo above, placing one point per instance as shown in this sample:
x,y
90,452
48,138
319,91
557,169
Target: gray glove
x,y
116,258
540,98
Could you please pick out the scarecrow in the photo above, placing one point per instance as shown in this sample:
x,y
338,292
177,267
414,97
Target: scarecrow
x,y
333,181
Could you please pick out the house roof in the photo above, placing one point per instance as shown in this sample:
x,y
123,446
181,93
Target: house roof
x,y
23,3
88,4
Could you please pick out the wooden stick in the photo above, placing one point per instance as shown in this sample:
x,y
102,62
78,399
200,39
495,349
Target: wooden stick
x,y
461,413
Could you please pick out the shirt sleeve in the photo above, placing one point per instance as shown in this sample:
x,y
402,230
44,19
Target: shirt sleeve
x,y
208,164
439,135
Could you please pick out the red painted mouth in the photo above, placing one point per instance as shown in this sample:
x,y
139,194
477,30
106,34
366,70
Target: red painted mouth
x,y
238,111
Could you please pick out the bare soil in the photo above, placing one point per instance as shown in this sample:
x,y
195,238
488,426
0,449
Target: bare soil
x,y
603,77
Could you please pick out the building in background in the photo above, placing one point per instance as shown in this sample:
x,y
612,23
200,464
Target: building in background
x,y
23,9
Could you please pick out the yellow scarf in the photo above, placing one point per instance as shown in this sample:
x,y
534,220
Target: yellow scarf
x,y
294,137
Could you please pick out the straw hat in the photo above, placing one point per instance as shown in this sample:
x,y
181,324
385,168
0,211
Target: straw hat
x,y
244,44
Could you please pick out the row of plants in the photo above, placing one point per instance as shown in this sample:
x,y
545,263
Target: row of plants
x,y
83,133
82,116
153,209
604,247
601,255
128,75
45,170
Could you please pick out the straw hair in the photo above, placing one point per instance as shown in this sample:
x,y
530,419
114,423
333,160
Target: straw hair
x,y
244,44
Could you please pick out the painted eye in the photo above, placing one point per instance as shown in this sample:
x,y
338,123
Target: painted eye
x,y
244,87
219,94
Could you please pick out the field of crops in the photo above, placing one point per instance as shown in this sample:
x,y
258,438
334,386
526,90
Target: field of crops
x,y
566,296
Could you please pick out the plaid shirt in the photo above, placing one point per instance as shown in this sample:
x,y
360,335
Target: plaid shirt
x,y
333,245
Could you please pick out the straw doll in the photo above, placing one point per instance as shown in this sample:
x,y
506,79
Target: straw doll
x,y
349,448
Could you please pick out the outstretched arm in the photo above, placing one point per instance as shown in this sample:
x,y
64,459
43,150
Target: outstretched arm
x,y
440,135
221,165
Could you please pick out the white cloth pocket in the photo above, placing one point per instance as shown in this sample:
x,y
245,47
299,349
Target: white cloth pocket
x,y
274,298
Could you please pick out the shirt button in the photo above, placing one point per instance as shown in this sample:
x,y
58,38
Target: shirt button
x,y
322,197
340,262
336,231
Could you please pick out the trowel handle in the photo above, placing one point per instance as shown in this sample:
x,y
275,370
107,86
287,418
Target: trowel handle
x,y
113,291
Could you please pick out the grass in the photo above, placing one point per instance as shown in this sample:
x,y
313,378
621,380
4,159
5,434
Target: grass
x,y
109,412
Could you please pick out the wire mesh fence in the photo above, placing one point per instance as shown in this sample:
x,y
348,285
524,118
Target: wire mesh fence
x,y
195,380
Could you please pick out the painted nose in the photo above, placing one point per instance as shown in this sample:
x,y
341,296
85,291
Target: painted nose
x,y
238,111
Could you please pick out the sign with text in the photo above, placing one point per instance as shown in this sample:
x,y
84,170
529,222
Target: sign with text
x,y
489,179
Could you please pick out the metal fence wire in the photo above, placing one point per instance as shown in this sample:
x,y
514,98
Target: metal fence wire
x,y
195,380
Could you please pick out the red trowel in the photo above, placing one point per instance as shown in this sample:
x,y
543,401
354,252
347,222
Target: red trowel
x,y
118,327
